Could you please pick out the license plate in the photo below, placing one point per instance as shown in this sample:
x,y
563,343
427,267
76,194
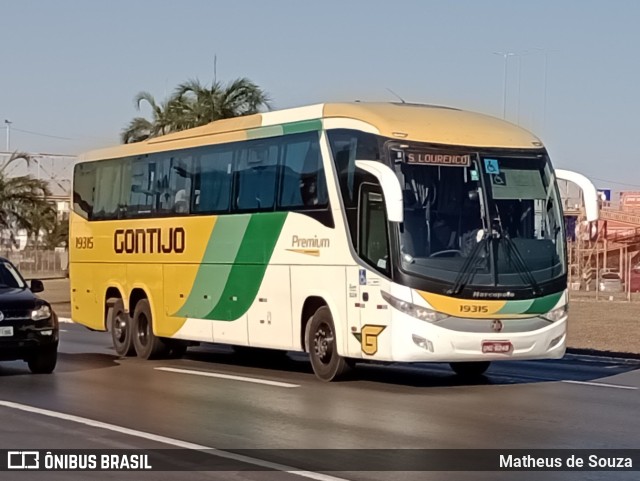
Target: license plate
x,y
497,347
6,331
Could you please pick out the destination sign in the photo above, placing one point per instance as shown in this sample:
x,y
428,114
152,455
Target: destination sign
x,y
435,158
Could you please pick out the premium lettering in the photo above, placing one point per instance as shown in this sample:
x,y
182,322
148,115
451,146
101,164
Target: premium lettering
x,y
149,241
309,242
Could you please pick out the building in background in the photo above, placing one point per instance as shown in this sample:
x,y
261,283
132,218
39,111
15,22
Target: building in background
x,y
56,170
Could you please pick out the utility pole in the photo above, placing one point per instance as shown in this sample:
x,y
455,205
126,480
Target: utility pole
x,y
506,55
8,123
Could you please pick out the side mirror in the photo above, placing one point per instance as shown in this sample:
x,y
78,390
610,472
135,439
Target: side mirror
x,y
390,187
589,192
36,285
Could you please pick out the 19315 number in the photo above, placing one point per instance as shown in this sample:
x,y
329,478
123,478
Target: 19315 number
x,y
84,242
473,308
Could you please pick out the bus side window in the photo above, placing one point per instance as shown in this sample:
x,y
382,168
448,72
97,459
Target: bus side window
x,y
212,181
256,175
303,184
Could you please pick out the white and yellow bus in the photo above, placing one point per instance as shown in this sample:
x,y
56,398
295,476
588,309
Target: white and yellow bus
x,y
352,231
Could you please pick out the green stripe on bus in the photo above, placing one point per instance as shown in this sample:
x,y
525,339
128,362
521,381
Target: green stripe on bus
x,y
215,268
226,239
302,126
544,304
263,132
250,265
515,307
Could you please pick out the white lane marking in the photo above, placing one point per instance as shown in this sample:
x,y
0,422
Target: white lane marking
x,y
65,319
600,384
170,441
228,376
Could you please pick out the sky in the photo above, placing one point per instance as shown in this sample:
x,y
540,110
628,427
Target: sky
x,y
70,69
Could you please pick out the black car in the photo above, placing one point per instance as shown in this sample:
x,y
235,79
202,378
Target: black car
x,y
28,324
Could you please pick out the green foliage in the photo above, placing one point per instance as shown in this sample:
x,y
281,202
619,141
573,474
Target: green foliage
x,y
24,201
58,236
193,104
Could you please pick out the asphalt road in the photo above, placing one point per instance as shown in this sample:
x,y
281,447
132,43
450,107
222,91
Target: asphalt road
x,y
213,398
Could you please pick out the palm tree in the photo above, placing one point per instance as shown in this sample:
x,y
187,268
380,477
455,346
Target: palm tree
x,y
23,201
164,119
193,104
203,104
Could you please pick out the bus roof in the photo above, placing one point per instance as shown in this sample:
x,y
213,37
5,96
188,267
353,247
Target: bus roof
x,y
407,121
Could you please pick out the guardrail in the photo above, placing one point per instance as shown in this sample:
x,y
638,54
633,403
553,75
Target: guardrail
x,y
626,217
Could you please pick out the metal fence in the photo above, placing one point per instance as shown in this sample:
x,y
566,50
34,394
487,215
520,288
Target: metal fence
x,y
34,264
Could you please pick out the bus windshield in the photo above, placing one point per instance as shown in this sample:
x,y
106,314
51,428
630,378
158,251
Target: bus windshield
x,y
480,220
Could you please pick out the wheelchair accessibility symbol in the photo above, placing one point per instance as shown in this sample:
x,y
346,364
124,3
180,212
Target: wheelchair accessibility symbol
x,y
491,166
498,179
363,277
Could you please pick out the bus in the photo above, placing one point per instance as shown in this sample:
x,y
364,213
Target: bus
x,y
354,232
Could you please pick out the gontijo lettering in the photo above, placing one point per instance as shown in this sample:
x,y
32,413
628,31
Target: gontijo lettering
x,y
149,241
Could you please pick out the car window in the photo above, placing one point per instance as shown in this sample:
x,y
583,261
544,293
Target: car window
x,y
9,277
611,276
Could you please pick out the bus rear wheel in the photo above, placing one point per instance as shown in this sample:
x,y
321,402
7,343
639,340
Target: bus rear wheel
x,y
146,343
121,330
470,369
327,364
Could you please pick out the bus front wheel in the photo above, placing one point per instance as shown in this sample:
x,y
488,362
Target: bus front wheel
x,y
470,369
146,343
121,330
327,364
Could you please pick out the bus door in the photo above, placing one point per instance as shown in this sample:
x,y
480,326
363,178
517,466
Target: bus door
x,y
373,248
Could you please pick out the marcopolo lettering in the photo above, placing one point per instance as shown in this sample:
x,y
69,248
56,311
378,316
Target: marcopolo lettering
x,y
149,241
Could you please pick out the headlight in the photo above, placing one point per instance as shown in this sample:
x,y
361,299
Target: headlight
x,y
557,314
40,313
418,312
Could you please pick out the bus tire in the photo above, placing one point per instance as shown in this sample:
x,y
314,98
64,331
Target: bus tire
x,y
121,330
146,343
470,369
327,364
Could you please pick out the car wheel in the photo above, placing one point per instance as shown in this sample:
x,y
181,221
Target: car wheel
x,y
121,330
44,361
145,342
327,364
470,369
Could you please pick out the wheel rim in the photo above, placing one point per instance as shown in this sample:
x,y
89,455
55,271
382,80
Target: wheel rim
x,y
120,329
323,343
143,329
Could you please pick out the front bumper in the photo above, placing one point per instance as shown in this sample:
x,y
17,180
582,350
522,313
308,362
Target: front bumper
x,y
28,337
418,341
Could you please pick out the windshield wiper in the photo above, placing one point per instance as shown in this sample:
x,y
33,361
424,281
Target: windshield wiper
x,y
525,273
469,265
